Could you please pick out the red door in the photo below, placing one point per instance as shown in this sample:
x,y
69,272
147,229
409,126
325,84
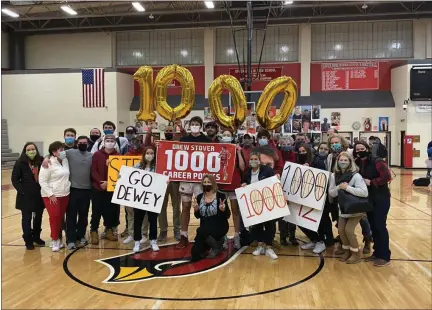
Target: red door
x,y
408,152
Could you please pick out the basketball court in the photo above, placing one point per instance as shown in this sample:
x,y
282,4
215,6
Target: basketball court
x,y
110,276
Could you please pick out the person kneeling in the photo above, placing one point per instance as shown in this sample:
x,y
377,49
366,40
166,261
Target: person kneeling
x,y
211,208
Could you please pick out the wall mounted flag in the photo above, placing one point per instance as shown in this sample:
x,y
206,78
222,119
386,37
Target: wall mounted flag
x,y
93,88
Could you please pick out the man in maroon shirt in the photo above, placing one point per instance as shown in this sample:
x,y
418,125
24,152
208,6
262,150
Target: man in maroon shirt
x,y
101,198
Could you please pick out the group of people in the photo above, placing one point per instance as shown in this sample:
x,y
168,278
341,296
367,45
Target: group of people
x,y
75,173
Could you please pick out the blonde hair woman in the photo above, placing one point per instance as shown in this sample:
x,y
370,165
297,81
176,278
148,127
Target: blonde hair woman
x,y
347,178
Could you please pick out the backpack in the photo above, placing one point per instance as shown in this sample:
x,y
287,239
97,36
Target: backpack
x,y
382,151
421,182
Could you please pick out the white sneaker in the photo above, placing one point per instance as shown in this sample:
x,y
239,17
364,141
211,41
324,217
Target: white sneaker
x,y
259,251
319,247
308,246
270,253
237,244
154,246
61,245
129,239
136,247
55,245
143,240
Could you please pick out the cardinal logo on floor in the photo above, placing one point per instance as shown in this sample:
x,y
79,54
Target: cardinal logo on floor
x,y
168,262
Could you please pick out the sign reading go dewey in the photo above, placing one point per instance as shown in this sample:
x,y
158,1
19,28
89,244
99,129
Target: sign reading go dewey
x,y
262,201
140,189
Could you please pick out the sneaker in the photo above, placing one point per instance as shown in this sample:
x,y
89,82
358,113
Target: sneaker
x,y
143,240
283,241
129,239
162,236
125,233
183,242
319,247
136,247
259,251
371,259
82,242
71,246
308,246
379,262
154,246
270,253
94,238
237,243
177,235
61,245
55,245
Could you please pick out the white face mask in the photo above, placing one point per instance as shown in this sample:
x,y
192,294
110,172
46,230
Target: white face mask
x,y
226,139
149,157
109,145
195,129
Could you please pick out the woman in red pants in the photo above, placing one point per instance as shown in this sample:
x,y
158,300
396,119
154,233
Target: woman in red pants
x,y
55,188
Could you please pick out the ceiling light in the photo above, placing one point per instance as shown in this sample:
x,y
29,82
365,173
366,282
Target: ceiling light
x,y
230,51
10,13
396,45
138,6
284,49
288,2
68,10
209,4
137,54
338,47
184,53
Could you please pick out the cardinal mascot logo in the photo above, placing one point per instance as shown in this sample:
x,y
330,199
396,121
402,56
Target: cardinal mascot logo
x,y
168,262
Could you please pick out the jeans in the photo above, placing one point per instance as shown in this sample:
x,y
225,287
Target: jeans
x,y
366,228
29,233
378,220
103,207
79,204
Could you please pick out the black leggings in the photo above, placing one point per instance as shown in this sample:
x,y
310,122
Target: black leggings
x,y
201,245
138,220
265,232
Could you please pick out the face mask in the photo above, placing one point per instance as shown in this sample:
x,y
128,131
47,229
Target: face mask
x,y
108,131
302,158
31,154
207,188
94,137
109,145
226,139
263,142
337,147
195,129
169,136
287,148
254,163
247,142
323,153
149,157
363,154
343,165
69,140
82,147
62,155
129,136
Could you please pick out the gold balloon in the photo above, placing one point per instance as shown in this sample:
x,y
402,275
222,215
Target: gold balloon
x,y
281,84
164,77
144,76
238,98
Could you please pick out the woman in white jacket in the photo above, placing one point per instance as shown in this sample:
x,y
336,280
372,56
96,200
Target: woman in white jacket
x,y
55,188
347,178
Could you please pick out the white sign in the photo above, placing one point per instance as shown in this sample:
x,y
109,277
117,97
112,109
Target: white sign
x,y
424,108
140,189
305,185
262,201
304,216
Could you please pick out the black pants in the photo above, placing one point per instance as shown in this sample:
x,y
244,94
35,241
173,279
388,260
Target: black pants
x,y
103,207
201,244
325,232
30,233
265,232
79,204
286,229
378,221
138,221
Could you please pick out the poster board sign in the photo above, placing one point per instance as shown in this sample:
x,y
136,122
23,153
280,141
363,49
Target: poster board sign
x,y
140,189
188,162
304,216
114,165
353,75
304,185
262,201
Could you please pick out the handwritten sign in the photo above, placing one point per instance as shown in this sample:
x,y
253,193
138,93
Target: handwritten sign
x,y
262,201
114,165
305,185
140,189
304,216
188,162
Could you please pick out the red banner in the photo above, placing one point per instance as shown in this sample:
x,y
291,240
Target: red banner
x,y
264,74
188,162
360,75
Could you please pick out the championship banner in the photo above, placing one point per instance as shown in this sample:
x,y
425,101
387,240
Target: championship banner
x,y
188,162
114,165
304,216
305,185
140,189
262,201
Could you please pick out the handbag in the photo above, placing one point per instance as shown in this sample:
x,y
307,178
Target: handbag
x,y
351,204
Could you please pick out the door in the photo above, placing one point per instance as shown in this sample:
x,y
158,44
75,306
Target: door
x,y
408,151
402,147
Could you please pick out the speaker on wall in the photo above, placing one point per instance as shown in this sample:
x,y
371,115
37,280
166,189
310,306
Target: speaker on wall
x,y
421,84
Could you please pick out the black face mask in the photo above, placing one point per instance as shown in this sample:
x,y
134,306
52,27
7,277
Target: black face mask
x,y
363,154
168,136
302,158
94,137
207,188
82,147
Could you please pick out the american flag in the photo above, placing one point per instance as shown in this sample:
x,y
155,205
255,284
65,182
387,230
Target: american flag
x,y
93,88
